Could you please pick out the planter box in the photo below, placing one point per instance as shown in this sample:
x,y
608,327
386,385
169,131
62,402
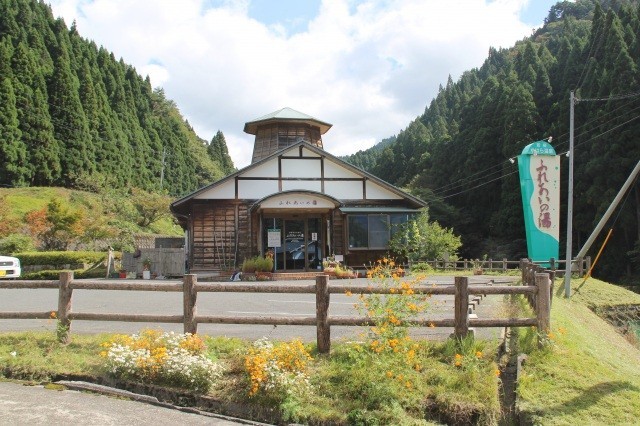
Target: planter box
x,y
264,276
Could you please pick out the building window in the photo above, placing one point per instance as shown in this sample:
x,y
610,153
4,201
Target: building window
x,y
358,231
374,231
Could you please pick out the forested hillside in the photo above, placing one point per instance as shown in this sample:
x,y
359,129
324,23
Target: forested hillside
x,y
456,155
71,112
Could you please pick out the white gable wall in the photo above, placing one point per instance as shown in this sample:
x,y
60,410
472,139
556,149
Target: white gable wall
x,y
224,191
299,169
302,185
256,189
333,170
344,190
268,169
377,192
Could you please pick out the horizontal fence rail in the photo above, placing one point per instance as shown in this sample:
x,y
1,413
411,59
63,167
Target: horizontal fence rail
x,y
504,265
536,288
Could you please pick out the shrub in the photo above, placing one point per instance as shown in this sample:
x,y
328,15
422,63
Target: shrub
x,y
15,243
257,264
421,239
60,257
162,358
278,370
263,264
249,265
422,267
54,274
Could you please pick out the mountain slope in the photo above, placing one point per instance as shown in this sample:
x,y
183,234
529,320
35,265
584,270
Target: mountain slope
x,y
456,155
69,111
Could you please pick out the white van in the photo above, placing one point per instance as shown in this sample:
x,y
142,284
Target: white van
x,y
9,267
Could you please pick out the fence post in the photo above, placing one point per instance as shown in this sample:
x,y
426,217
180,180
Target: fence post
x,y
190,295
543,305
322,318
504,264
461,314
64,307
580,267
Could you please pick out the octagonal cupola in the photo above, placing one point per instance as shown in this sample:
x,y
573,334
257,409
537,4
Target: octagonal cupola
x,y
284,128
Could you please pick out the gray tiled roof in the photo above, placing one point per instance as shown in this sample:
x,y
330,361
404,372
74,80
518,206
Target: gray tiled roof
x,y
286,114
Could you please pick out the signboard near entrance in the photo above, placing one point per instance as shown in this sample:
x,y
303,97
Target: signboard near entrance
x,y
274,239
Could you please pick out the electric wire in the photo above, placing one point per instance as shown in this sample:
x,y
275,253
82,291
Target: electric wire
x,y
515,171
595,42
467,180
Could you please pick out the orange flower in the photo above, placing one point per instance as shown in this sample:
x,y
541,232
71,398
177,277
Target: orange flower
x,y
53,315
458,360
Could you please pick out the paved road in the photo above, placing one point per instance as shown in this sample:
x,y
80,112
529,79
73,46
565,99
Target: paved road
x,y
227,304
35,405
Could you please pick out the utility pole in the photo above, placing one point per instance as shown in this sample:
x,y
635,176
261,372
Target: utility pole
x,y
164,156
567,274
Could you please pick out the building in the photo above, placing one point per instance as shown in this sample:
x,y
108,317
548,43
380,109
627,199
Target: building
x,y
294,199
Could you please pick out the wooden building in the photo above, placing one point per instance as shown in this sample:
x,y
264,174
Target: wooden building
x,y
294,199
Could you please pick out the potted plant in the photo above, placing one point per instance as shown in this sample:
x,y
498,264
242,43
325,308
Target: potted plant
x,y
146,268
264,265
122,273
477,267
249,269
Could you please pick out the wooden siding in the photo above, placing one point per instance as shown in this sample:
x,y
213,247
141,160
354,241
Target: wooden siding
x,y
338,233
219,235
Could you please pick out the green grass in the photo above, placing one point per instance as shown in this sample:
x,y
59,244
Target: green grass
x,y
589,374
24,200
39,357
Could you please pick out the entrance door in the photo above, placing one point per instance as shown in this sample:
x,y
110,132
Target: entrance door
x,y
300,242
314,246
294,244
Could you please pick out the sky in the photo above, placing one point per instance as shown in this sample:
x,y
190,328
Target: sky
x,y
369,67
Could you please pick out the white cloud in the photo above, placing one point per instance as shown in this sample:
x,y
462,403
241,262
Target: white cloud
x,y
369,70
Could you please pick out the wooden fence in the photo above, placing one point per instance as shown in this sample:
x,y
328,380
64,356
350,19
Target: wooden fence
x,y
536,289
504,265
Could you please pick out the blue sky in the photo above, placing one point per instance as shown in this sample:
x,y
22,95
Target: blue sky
x,y
294,15
369,67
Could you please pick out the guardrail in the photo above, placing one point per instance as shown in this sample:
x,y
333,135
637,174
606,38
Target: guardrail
x,y
538,290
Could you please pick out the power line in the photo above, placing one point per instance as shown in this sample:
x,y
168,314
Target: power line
x,y
467,180
478,186
515,171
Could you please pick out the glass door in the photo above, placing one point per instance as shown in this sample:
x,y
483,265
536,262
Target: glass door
x,y
299,245
294,244
314,245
